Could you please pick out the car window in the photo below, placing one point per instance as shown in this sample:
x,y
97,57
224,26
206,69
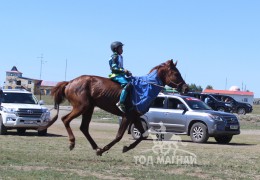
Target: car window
x,y
158,102
196,104
173,103
21,98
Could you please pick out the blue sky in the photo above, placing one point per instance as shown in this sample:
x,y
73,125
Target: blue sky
x,y
216,43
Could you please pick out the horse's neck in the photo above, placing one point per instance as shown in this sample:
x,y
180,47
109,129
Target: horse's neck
x,y
154,78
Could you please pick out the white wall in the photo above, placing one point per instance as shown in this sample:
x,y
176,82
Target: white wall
x,y
243,98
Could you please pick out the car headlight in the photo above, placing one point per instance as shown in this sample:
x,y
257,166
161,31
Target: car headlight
x,y
46,114
9,110
215,117
45,111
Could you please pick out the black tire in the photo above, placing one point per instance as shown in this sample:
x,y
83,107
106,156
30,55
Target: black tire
x,y
3,130
222,109
199,133
225,139
42,133
21,131
241,110
136,133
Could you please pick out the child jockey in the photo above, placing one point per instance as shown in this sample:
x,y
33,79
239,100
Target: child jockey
x,y
118,73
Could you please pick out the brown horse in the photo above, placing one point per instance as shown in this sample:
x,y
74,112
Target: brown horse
x,y
86,92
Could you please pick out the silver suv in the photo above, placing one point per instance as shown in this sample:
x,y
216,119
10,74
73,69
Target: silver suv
x,y
188,115
21,110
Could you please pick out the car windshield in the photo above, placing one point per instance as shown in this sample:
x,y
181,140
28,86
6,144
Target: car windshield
x,y
21,98
196,104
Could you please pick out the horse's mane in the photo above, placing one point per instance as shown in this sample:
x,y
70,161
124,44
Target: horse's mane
x,y
157,67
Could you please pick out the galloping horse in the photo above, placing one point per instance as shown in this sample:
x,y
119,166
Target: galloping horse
x,y
86,92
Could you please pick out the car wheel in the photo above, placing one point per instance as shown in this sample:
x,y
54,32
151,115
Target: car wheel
x,y
3,129
136,133
225,139
42,133
241,111
21,131
199,133
221,109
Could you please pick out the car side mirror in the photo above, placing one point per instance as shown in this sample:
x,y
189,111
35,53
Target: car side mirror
x,y
41,102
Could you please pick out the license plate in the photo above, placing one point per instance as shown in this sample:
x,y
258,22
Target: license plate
x,y
233,126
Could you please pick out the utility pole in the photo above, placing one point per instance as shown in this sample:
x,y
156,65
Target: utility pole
x,y
66,70
41,59
226,84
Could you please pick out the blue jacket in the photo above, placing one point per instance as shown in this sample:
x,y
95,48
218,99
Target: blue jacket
x,y
116,65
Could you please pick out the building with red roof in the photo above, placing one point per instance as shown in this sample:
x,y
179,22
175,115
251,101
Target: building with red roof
x,y
241,96
15,80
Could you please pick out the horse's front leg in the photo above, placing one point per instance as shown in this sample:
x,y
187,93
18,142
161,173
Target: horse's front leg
x,y
122,128
138,124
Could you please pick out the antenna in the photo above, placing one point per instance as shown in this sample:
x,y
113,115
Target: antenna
x,y
42,62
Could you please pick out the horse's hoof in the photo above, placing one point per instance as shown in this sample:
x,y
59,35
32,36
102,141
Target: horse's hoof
x,y
99,152
125,149
72,146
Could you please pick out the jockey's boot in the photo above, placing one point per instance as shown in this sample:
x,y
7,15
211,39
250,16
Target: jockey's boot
x,y
121,106
123,95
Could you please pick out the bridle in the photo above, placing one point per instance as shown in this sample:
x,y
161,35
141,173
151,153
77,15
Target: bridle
x,y
171,83
177,85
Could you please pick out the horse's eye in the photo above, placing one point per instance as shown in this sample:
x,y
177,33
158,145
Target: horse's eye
x,y
176,73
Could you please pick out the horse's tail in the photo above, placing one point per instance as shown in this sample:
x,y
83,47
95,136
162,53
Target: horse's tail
x,y
59,96
58,92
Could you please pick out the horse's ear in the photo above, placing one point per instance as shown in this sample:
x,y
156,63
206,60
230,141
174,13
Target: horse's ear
x,y
172,63
176,63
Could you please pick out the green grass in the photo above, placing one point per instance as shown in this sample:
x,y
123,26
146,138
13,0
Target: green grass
x,y
251,120
256,109
33,157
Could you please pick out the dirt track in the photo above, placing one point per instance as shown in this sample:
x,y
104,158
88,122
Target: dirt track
x,y
58,127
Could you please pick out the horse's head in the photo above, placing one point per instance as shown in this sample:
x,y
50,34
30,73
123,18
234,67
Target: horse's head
x,y
170,75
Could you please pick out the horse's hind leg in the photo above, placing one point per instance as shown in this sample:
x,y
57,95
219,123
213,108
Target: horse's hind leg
x,y
66,121
123,126
138,124
84,127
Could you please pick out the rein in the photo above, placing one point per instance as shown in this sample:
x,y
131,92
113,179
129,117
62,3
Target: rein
x,y
154,84
171,82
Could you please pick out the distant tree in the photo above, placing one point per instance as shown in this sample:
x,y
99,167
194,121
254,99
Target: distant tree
x,y
195,88
209,87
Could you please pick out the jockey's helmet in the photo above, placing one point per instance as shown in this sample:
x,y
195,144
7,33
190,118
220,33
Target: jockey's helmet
x,y
115,45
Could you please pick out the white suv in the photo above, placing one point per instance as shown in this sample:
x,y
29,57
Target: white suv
x,y
21,110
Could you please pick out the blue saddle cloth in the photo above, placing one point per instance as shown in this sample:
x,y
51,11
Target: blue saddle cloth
x,y
144,91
